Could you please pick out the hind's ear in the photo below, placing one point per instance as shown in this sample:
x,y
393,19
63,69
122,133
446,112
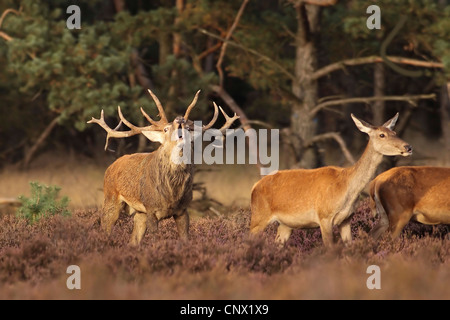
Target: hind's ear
x,y
390,124
362,125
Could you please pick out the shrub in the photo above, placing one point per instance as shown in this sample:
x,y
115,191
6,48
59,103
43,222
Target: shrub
x,y
43,202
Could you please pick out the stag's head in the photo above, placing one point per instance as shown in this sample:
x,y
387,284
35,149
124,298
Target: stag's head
x,y
383,138
175,134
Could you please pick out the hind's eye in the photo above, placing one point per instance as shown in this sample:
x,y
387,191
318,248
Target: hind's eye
x,y
382,135
166,129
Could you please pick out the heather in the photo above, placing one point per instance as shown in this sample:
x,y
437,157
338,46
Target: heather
x,y
220,261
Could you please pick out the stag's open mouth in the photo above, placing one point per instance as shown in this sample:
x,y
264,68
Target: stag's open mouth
x,y
406,153
180,134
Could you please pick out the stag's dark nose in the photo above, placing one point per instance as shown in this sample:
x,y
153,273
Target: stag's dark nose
x,y
408,148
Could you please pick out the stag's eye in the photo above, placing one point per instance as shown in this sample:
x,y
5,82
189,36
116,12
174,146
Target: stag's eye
x,y
382,135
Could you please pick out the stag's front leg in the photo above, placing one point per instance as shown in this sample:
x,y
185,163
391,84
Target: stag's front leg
x,y
152,222
140,226
182,222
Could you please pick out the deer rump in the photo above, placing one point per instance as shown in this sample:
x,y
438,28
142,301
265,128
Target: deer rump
x,y
149,184
402,194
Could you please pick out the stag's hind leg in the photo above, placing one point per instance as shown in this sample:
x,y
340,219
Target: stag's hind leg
x,y
111,212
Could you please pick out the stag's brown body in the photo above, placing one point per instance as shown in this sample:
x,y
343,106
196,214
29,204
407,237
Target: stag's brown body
x,y
402,194
151,185
155,185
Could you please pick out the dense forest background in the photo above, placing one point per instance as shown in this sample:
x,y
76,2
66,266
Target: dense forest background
x,y
299,66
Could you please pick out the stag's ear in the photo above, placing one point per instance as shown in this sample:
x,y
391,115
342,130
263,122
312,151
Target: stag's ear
x,y
362,125
155,136
391,123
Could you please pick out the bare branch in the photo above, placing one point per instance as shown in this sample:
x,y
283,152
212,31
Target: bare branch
x,y
410,99
373,59
237,110
227,38
139,70
232,105
119,5
321,3
5,36
336,136
2,17
259,123
39,141
11,201
209,51
254,52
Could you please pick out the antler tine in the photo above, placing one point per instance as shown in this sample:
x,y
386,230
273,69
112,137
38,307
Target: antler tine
x,y
162,114
191,106
214,119
229,121
148,117
132,126
112,133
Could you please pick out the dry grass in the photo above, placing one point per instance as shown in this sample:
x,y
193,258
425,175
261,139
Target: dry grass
x,y
81,179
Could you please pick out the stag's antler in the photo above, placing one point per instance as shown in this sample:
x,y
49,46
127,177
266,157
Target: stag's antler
x,y
158,125
213,120
113,133
191,106
161,123
229,120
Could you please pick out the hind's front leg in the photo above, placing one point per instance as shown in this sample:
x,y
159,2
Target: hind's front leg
x,y
346,231
326,228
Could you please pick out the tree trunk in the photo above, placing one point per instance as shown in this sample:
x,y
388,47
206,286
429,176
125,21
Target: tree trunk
x,y
378,91
305,88
445,120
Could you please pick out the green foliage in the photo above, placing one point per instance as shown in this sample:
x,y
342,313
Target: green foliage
x,y
270,33
50,71
78,72
42,203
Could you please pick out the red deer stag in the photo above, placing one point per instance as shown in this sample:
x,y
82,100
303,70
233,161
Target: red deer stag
x,y
322,197
153,185
410,193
